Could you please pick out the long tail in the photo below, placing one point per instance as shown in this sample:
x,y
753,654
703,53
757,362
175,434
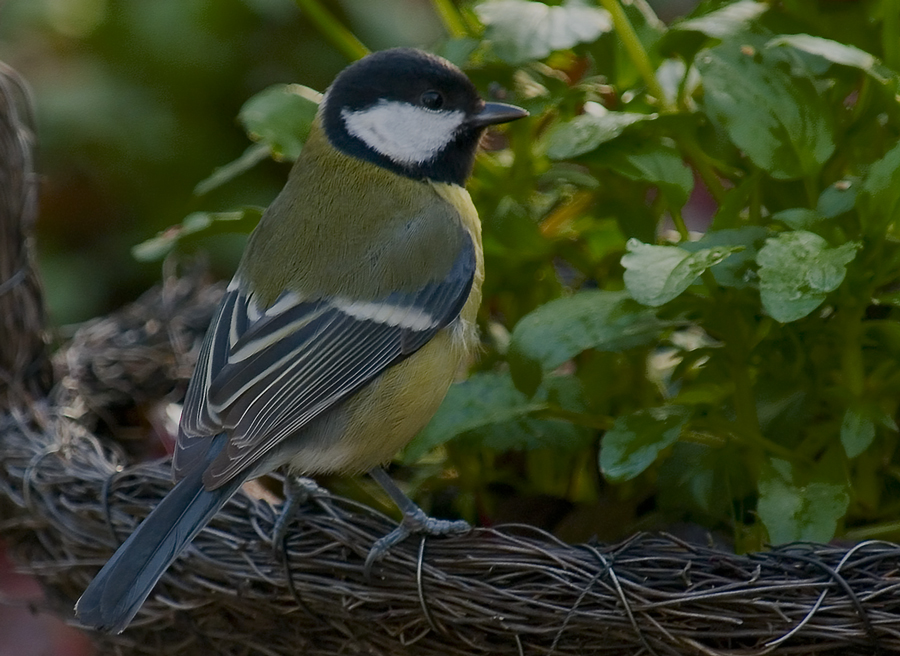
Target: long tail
x,y
117,592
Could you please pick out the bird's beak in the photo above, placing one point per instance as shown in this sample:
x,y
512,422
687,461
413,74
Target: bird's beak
x,y
494,113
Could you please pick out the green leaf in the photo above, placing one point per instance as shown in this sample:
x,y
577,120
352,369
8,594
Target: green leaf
x,y
196,225
836,53
780,122
280,117
586,132
521,31
636,440
838,198
654,275
735,270
797,270
799,510
561,329
568,173
693,476
481,400
488,407
734,204
798,218
686,37
857,432
458,50
224,174
858,427
724,22
531,433
879,198
657,164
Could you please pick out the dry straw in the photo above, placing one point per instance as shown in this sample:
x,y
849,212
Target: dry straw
x,y
68,497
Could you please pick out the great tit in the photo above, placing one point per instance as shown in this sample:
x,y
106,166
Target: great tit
x,y
350,314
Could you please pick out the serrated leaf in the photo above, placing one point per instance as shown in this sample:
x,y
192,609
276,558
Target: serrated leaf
x,y
781,122
195,226
521,31
636,440
586,132
857,432
797,270
654,275
793,510
561,329
280,117
836,53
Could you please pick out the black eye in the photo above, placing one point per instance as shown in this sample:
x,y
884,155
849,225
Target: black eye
x,y
432,99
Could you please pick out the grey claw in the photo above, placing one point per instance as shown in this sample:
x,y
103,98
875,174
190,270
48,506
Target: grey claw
x,y
297,491
414,523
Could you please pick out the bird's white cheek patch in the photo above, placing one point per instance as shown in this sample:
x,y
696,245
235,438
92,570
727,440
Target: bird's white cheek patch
x,y
405,133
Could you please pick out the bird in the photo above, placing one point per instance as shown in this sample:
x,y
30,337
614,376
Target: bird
x,y
351,312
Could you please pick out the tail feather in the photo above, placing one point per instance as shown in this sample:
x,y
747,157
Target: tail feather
x,y
117,592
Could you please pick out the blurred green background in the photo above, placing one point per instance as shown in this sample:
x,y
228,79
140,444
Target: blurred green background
x,y
136,103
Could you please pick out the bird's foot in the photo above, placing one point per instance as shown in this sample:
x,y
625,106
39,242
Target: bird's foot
x,y
297,491
415,522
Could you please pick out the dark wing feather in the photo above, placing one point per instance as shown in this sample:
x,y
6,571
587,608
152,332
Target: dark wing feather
x,y
263,376
197,424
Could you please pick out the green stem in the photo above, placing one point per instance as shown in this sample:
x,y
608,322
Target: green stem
x,y
340,37
706,439
756,204
852,367
450,17
862,99
730,431
681,98
711,285
744,403
774,448
737,352
678,220
636,51
812,195
890,33
698,158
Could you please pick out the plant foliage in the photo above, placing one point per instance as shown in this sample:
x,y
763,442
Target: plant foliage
x,y
692,266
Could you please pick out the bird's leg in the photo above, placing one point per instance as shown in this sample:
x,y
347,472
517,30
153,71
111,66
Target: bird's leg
x,y
415,520
297,491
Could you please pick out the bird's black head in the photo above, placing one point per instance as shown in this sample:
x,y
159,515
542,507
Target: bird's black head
x,y
410,112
